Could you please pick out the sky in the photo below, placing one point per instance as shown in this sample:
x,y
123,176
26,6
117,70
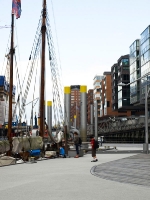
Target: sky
x,y
89,35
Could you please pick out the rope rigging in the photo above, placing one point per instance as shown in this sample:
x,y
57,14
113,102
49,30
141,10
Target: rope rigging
x,y
56,37
24,85
57,87
29,79
6,26
7,50
32,60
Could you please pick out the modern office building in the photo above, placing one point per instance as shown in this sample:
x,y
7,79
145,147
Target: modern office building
x,y
135,72
114,86
120,74
106,95
145,60
123,78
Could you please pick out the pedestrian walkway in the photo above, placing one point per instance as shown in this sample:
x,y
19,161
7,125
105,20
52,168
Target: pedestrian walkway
x,y
120,148
66,179
133,170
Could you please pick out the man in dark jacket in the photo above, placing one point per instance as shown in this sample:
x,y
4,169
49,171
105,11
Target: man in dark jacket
x,y
76,143
93,149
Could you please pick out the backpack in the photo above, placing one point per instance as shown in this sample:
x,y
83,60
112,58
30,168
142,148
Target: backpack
x,y
80,141
96,144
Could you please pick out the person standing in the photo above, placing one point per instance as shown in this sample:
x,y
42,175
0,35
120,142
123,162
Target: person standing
x,y
76,143
93,149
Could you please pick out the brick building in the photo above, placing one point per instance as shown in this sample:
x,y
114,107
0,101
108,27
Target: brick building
x,y
89,102
107,97
96,94
75,105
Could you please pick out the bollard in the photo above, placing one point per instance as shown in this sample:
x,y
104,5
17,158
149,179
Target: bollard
x,y
49,115
83,110
67,107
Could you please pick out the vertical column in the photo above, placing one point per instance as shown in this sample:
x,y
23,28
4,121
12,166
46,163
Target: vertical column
x,y
91,118
146,145
49,115
96,135
38,123
67,106
44,112
32,117
75,121
83,124
65,135
11,80
42,82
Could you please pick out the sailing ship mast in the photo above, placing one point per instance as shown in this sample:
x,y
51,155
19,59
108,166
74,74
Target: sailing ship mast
x,y
16,10
42,90
11,79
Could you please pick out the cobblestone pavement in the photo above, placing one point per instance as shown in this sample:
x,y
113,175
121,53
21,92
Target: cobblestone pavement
x,y
133,170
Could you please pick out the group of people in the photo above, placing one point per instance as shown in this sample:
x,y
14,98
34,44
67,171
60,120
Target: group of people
x,y
77,144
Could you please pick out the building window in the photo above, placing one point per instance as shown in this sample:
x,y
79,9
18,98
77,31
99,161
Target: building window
x,y
125,68
108,103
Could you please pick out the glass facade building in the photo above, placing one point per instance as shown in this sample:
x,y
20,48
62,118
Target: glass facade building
x,y
145,59
135,72
114,84
123,78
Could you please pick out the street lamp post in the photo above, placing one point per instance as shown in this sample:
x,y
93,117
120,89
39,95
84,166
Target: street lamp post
x,y
96,121
146,144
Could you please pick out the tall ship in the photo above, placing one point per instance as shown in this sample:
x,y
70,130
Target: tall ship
x,y
9,100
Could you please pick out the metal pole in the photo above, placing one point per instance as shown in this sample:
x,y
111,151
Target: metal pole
x,y
75,117
49,115
32,117
42,107
65,135
96,123
67,107
11,80
146,149
83,125
75,121
91,109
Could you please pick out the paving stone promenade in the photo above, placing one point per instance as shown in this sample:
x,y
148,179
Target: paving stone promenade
x,y
133,170
70,179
